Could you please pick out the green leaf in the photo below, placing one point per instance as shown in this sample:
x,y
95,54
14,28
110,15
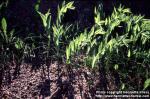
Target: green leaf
x,y
128,26
63,10
19,44
111,44
100,31
72,47
49,36
147,83
68,54
11,36
123,86
129,53
70,5
45,17
116,66
4,25
36,7
126,11
95,59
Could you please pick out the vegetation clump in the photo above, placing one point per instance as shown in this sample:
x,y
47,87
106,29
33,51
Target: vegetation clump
x,y
115,44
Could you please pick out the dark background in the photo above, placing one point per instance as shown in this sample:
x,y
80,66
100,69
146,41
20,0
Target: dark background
x,y
22,16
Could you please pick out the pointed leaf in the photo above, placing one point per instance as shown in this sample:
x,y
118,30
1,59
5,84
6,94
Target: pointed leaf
x,y
4,25
129,53
116,66
147,83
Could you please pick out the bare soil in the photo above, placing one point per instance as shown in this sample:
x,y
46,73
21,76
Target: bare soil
x,y
56,81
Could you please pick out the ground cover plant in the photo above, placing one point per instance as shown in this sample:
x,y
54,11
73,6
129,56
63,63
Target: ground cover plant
x,y
119,40
66,62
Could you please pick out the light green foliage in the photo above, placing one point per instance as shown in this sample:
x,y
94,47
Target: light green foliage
x,y
76,45
116,66
57,30
37,5
19,44
4,25
46,18
146,84
114,41
105,40
123,86
11,45
6,37
119,41
79,43
61,11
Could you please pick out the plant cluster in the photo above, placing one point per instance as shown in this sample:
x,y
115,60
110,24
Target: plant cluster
x,y
120,41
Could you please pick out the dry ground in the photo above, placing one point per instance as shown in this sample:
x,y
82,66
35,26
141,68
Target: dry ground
x,y
55,82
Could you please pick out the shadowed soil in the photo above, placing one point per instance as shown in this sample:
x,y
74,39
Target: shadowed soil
x,y
56,81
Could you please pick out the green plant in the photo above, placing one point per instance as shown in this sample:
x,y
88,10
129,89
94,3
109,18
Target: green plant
x,y
37,5
113,41
11,46
121,18
146,84
55,31
12,50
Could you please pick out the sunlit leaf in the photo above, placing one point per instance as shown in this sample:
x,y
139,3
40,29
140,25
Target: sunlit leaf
x,y
123,86
129,53
4,25
44,17
147,83
116,66
126,11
